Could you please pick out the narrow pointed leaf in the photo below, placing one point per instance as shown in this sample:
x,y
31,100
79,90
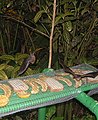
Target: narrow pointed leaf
x,y
38,16
3,75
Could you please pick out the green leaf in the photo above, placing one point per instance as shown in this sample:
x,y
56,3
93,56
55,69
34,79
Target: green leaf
x,y
95,1
38,16
68,13
2,66
9,4
9,69
68,26
57,19
46,21
3,75
6,57
30,71
95,5
19,56
63,15
58,118
67,36
51,111
14,72
18,118
49,3
84,10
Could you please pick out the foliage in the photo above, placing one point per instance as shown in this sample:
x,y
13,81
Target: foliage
x,y
75,28
26,25
11,64
51,114
85,117
68,113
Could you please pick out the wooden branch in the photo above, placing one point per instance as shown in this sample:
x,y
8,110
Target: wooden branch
x,y
51,35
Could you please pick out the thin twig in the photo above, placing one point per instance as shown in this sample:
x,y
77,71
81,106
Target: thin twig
x,y
26,25
51,35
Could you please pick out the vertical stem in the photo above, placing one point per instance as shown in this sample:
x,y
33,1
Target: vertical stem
x,y
70,111
30,37
51,35
2,43
15,38
66,111
60,110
